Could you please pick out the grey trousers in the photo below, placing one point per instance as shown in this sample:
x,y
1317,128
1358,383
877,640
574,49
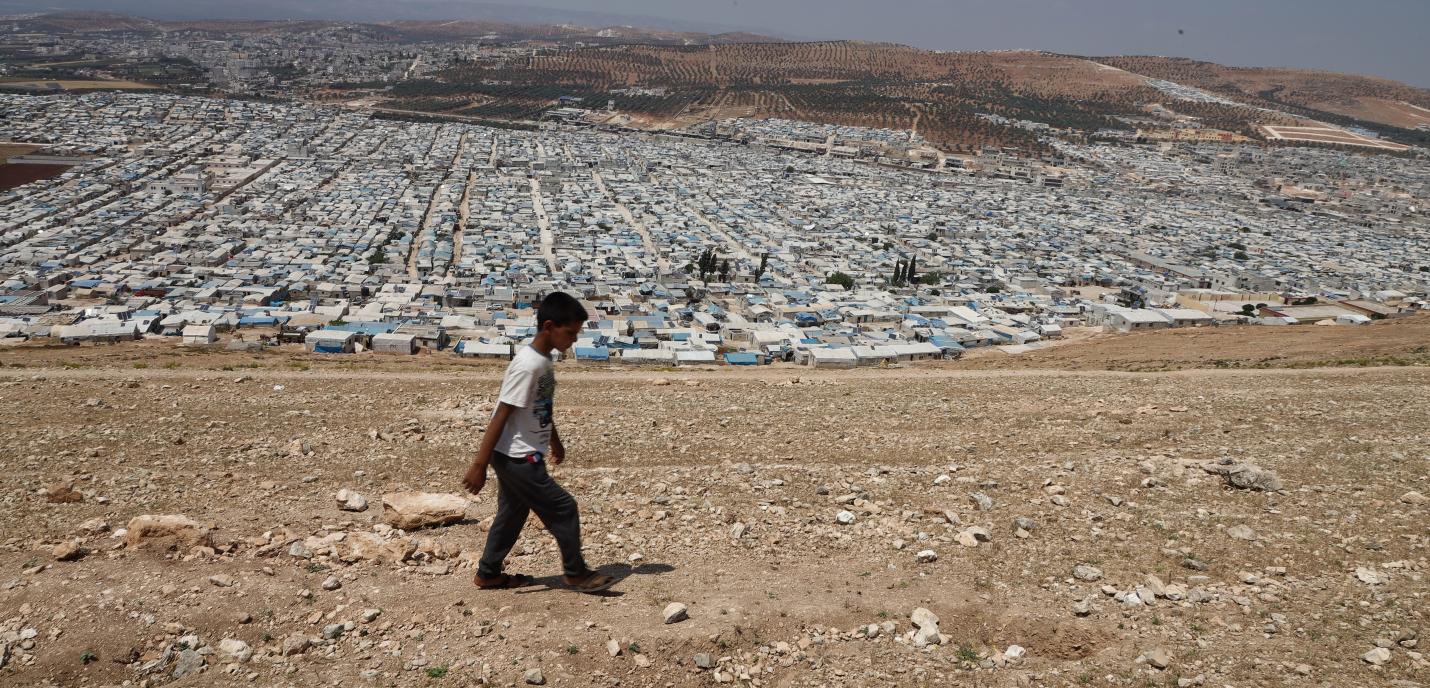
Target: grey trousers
x,y
521,489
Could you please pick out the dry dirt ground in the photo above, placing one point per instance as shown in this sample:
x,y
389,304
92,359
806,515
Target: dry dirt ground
x,y
723,492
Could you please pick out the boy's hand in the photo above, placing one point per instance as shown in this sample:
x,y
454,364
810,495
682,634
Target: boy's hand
x,y
558,451
476,478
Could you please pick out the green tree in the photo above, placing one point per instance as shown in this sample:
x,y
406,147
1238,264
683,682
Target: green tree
x,y
840,279
910,272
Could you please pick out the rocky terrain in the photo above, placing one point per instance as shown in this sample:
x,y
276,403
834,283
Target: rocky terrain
x,y
191,525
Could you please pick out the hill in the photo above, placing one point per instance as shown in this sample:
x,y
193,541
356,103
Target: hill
x,y
1360,97
1065,528
938,94
397,30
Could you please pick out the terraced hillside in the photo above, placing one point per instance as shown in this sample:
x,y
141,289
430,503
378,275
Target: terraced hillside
x,y
883,85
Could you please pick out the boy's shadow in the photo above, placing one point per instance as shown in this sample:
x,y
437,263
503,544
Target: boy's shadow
x,y
618,571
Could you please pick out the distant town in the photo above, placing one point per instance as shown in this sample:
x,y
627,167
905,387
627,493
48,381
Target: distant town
x,y
740,241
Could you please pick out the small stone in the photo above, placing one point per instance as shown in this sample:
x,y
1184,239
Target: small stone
x,y
1370,576
966,538
983,501
349,500
189,663
1014,652
62,493
222,580
675,612
703,660
296,644
927,556
1377,657
1087,572
1083,607
1302,669
1413,497
737,531
942,479
235,650
1159,659
1245,476
533,677
642,661
333,631
844,517
68,550
613,647
1024,523
370,615
1241,532
927,624
332,583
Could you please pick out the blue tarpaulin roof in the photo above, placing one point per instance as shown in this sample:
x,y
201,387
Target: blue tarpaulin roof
x,y
741,358
593,353
366,328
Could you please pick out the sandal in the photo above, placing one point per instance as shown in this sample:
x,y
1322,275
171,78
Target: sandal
x,y
591,582
507,581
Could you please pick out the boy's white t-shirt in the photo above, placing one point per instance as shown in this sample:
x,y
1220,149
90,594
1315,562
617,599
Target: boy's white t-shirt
x,y
530,386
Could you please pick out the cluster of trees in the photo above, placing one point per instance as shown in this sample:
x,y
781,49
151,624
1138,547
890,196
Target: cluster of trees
x,y
840,279
905,272
709,264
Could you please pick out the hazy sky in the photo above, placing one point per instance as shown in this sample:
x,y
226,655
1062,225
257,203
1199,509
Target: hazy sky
x,y
1389,38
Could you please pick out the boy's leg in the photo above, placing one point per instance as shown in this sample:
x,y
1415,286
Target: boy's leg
x,y
506,526
557,509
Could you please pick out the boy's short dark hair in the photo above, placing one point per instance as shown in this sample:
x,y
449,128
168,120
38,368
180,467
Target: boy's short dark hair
x,y
560,308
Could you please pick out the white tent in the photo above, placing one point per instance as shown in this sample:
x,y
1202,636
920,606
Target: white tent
x,y
832,358
199,335
474,348
393,343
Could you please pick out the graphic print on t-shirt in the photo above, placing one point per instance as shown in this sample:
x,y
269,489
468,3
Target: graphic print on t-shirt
x,y
545,398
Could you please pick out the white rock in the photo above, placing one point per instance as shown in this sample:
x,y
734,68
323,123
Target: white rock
x,y
349,500
942,480
1087,572
927,624
1241,532
234,650
1378,656
845,517
1370,576
927,556
412,510
675,612
1014,652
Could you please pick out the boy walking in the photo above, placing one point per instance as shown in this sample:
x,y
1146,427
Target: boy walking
x,y
517,444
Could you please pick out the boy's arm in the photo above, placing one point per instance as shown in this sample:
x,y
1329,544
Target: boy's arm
x,y
558,450
476,476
